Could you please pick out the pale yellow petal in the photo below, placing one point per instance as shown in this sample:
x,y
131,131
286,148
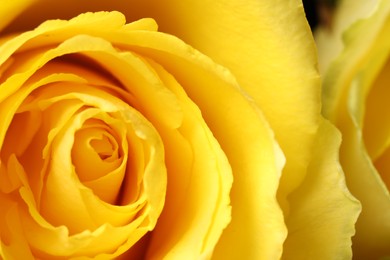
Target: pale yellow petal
x,y
323,212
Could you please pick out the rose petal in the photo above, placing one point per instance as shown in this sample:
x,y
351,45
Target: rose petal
x,y
323,211
98,149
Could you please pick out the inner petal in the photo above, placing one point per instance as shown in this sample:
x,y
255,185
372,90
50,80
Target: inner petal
x,y
99,156
103,146
95,153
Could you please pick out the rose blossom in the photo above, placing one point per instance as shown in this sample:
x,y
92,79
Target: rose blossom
x,y
356,98
194,133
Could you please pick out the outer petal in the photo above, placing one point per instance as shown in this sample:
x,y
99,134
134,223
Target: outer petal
x,y
324,197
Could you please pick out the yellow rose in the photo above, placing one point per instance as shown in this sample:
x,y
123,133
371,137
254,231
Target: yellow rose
x,y
200,137
356,99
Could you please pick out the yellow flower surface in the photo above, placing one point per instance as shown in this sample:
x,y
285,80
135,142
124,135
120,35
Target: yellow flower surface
x,y
166,130
356,99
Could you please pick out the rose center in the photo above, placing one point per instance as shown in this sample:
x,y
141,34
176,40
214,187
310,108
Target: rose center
x,y
103,147
95,153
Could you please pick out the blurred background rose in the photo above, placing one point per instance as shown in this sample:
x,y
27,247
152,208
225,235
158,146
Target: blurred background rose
x,y
354,61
